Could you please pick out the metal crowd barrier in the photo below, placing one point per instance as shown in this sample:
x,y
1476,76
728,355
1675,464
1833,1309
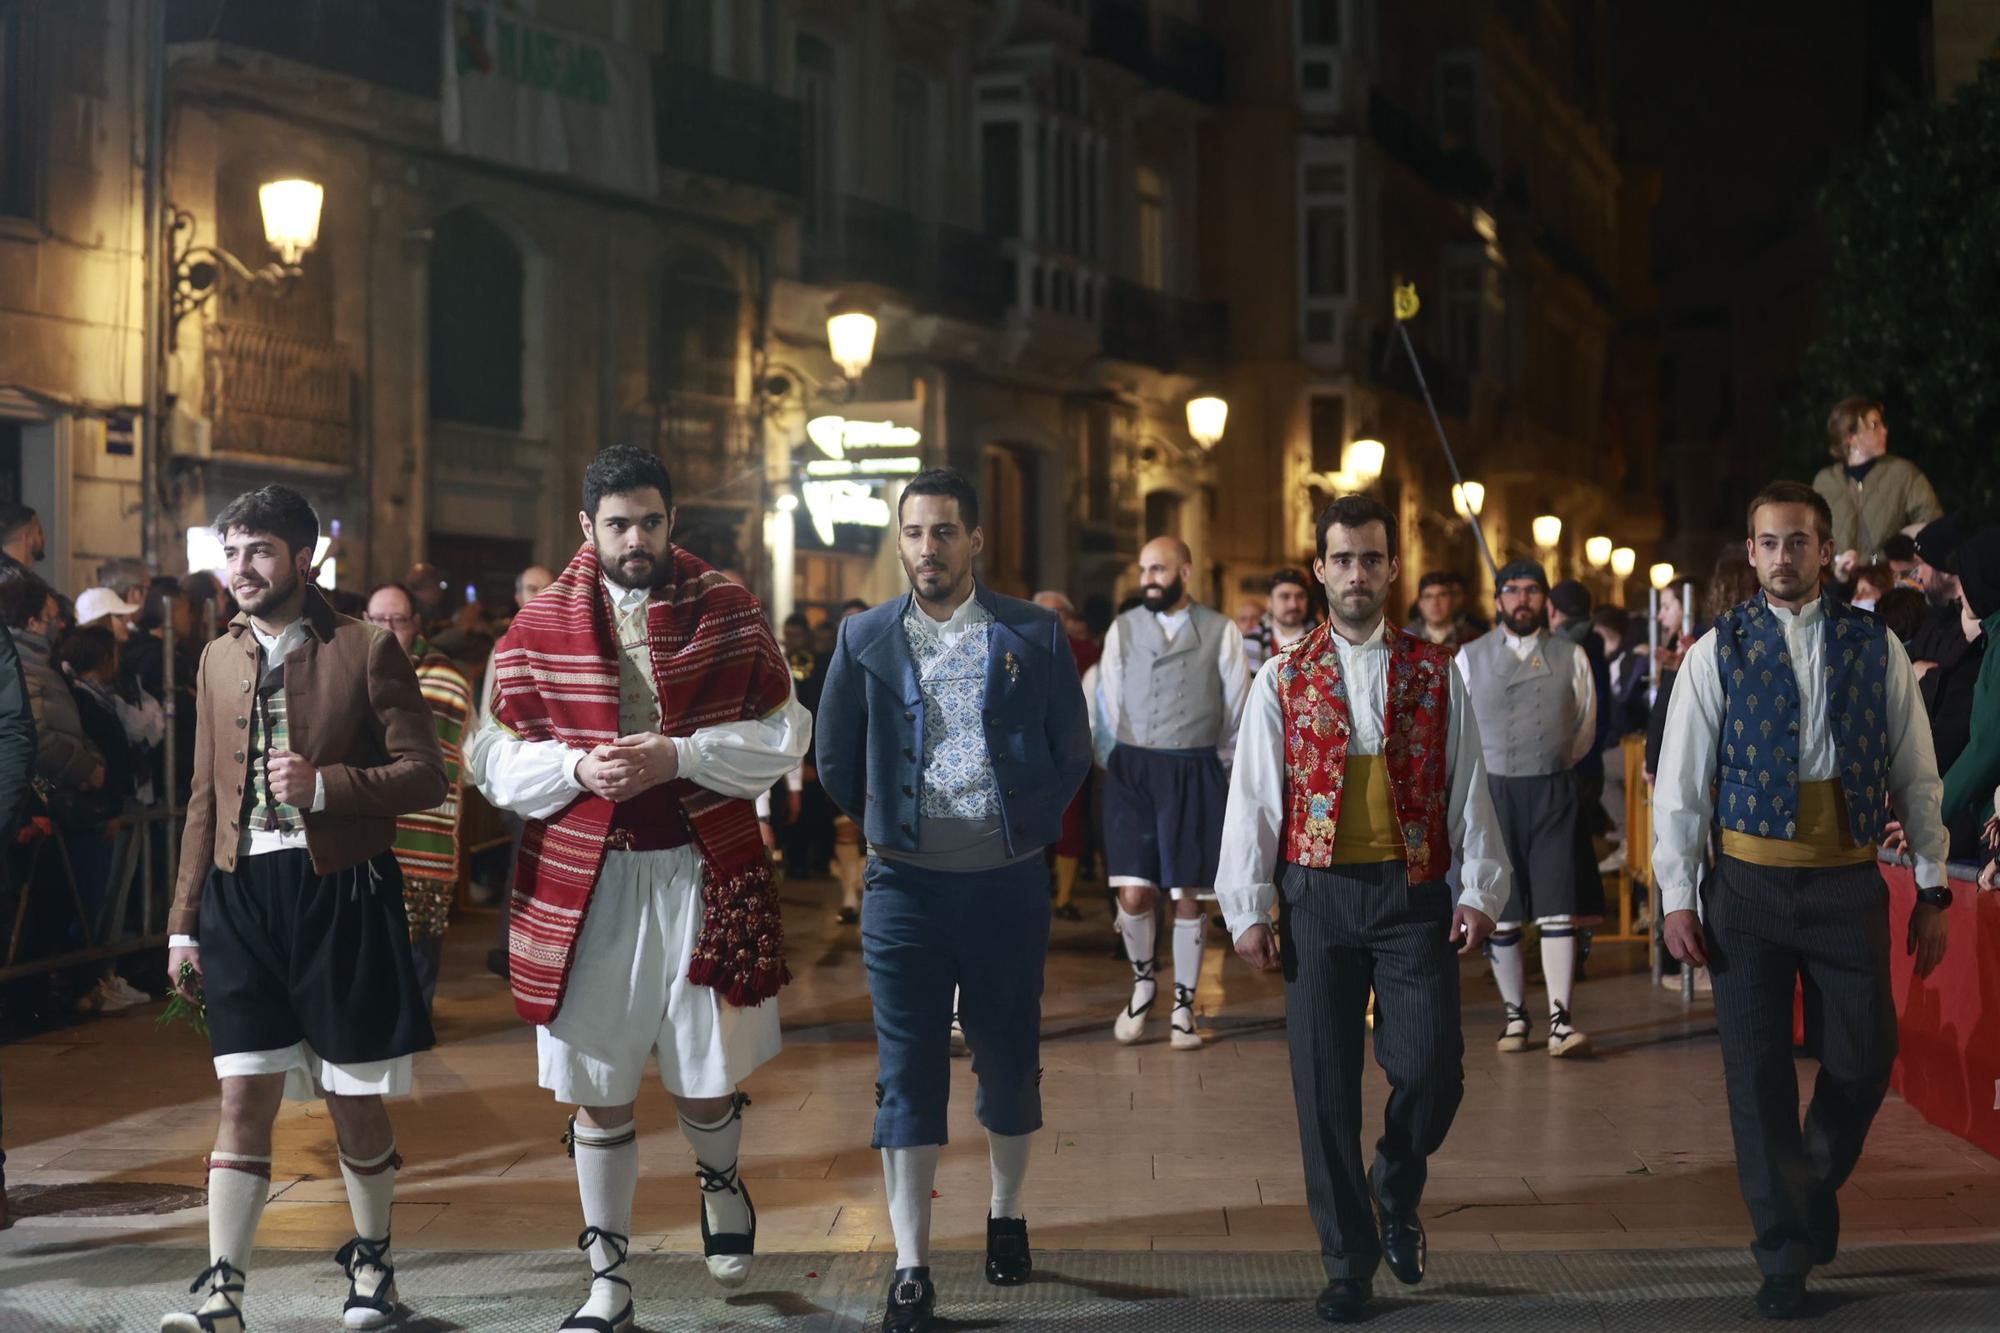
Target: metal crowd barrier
x,y
135,869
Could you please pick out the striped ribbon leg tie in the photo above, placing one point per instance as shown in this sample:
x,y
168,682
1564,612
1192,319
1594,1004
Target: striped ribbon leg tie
x,y
367,1262
618,1245
222,1279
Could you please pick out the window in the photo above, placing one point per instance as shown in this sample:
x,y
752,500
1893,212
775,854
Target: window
x,y
1465,284
1000,178
698,325
1326,240
477,279
1320,40
816,88
1163,513
913,143
1008,501
1327,422
18,129
1151,200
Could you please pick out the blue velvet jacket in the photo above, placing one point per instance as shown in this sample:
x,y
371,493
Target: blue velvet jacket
x,y
869,743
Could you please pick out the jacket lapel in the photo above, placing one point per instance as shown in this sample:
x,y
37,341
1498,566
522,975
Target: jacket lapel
x,y
1534,664
887,654
1007,651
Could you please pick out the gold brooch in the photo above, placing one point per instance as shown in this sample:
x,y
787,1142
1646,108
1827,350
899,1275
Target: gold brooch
x,y
1013,666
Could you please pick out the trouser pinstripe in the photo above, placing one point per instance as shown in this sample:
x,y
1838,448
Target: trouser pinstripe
x,y
1343,930
1768,926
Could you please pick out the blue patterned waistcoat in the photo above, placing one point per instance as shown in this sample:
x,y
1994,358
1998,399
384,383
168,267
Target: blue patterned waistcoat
x,y
1758,763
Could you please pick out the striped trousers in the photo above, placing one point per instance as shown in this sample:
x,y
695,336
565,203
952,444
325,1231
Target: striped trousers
x,y
1767,928
1343,931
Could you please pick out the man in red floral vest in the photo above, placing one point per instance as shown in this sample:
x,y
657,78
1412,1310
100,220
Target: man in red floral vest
x,y
1358,778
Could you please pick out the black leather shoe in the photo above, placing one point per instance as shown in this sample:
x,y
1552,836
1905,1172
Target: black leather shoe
x,y
1344,1300
1008,1260
1404,1247
911,1297
1783,1296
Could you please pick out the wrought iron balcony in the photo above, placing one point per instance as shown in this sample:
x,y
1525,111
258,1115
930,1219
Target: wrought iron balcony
x,y
956,271
396,44
705,123
1167,332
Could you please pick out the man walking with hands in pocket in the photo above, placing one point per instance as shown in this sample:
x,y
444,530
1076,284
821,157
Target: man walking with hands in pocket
x,y
1358,778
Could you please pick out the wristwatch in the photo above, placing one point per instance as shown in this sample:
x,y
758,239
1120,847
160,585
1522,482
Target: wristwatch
x,y
1937,897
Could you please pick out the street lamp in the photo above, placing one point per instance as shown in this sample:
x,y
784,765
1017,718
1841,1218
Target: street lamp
x,y
1468,498
1623,561
1597,551
1363,461
1660,575
291,210
850,337
1548,530
1206,417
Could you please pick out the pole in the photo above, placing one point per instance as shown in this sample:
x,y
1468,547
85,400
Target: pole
x,y
154,308
1654,962
1406,309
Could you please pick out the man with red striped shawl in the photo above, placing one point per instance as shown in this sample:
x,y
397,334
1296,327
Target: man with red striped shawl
x,y
1358,777
641,705
427,840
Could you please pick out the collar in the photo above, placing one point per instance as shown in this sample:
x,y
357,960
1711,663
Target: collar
x,y
317,615
1814,612
1517,641
292,630
1860,471
624,600
970,612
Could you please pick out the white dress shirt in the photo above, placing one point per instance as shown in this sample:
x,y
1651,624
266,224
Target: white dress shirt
x,y
536,779
1580,679
1683,794
1231,663
1253,827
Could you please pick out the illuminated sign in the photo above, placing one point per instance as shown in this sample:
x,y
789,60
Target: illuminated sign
x,y
853,502
864,467
836,435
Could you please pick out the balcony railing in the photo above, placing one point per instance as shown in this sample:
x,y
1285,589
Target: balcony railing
x,y
1165,50
1167,332
397,44
1458,172
733,131
272,395
857,240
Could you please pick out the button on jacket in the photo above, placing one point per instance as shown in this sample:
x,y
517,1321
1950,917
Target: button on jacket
x,y
870,744
354,711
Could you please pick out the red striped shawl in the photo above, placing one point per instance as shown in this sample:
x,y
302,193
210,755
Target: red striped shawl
x,y
714,661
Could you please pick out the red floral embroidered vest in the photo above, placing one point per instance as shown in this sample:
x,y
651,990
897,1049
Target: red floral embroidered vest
x,y
1313,698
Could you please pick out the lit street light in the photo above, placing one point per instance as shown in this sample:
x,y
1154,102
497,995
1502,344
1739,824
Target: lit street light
x,y
1468,498
1623,561
1660,575
1207,415
1548,530
1597,551
1363,461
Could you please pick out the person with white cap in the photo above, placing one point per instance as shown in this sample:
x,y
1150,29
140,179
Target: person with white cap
x,y
94,604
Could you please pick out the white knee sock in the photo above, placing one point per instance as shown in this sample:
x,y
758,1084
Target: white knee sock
x,y
1138,932
238,1185
1508,970
847,868
1009,1156
909,1175
371,1185
715,1151
1187,952
1559,964
607,1172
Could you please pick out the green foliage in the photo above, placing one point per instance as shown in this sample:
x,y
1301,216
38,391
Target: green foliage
x,y
1913,312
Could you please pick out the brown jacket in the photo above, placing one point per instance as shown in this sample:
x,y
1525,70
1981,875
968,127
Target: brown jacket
x,y
353,710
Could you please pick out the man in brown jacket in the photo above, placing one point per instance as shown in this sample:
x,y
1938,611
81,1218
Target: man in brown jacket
x,y
311,737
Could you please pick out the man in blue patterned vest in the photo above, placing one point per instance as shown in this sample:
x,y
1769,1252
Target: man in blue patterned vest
x,y
952,728
1796,732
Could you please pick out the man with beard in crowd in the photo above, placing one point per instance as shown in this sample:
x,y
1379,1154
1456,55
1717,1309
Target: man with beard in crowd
x,y
1537,706
22,541
1174,678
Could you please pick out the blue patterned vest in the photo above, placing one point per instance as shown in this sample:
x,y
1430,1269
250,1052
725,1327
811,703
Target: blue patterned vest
x,y
1758,765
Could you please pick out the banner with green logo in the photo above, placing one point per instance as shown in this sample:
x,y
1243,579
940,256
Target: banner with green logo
x,y
546,99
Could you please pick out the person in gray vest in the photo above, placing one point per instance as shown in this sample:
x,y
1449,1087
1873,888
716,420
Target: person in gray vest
x,y
1537,710
1174,677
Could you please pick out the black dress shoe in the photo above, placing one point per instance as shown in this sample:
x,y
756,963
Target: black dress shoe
x,y
1403,1248
1783,1296
911,1297
1008,1260
1344,1300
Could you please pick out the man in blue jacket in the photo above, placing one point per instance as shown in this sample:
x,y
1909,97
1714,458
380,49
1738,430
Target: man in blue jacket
x,y
952,728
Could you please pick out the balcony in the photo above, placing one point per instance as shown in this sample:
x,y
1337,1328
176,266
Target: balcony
x,y
1167,332
1163,50
278,398
734,131
397,44
956,271
1459,173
